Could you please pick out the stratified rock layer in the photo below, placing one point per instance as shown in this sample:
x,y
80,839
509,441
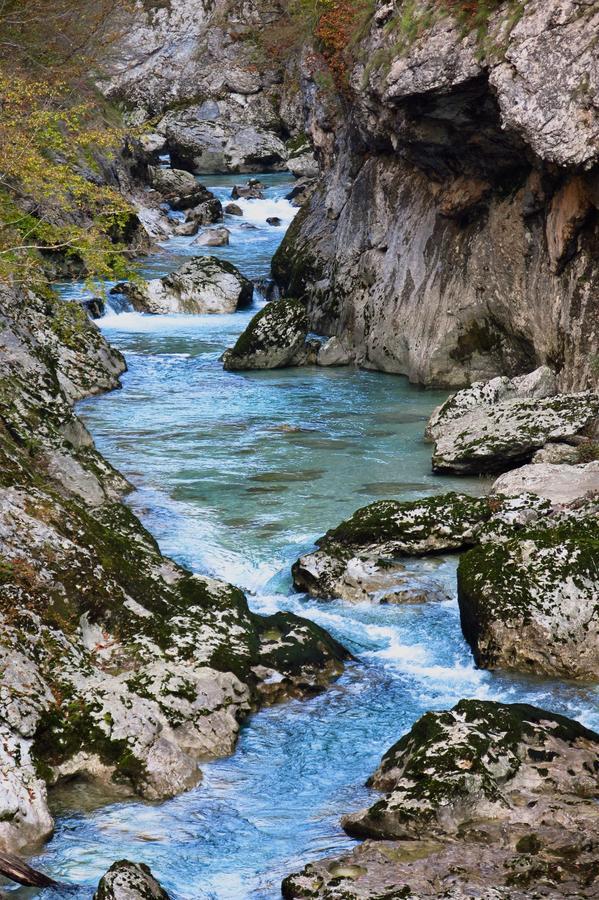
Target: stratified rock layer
x,y
486,800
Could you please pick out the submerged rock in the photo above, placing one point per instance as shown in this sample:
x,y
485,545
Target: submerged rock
x,y
129,881
500,424
273,339
203,285
485,800
530,601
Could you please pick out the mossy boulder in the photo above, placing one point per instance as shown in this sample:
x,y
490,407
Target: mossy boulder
x,y
479,760
362,557
274,338
498,425
200,286
531,602
127,880
486,800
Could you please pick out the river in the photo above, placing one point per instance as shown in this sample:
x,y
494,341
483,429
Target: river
x,y
235,475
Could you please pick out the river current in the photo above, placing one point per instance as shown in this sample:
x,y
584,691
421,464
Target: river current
x,y
236,474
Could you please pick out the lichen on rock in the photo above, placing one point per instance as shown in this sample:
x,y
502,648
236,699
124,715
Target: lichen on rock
x,y
127,880
274,338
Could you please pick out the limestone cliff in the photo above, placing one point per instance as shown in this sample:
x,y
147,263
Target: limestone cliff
x,y
454,234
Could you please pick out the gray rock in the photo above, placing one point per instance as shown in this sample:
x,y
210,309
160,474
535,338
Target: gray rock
x,y
213,237
247,191
203,285
232,209
273,339
129,881
95,307
333,353
273,220
500,424
477,801
560,484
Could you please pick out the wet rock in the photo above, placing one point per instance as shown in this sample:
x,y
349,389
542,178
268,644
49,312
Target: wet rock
x,y
206,213
273,339
333,353
273,220
479,801
358,559
301,192
95,307
129,881
203,285
248,191
232,209
560,484
500,424
213,237
530,601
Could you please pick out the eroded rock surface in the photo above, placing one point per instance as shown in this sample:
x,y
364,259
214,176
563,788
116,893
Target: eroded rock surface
x,y
560,484
461,143
486,800
116,664
203,285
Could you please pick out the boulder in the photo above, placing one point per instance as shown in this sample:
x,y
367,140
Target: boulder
x,y
95,307
203,285
530,601
497,425
248,191
181,189
333,353
358,560
206,213
273,338
213,237
301,161
488,800
560,484
273,220
129,881
232,209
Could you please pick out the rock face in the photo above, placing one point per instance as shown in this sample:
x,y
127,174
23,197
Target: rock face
x,y
486,800
129,881
116,664
203,285
458,144
531,602
502,423
196,70
274,338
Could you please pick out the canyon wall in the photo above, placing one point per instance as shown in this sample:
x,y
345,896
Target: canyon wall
x,y
454,234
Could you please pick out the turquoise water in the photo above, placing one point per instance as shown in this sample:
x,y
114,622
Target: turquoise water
x,y
235,475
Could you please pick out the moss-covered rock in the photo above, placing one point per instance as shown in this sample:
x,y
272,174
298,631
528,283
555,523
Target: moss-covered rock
x,y
204,284
115,663
129,881
531,602
274,338
362,557
497,425
485,800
